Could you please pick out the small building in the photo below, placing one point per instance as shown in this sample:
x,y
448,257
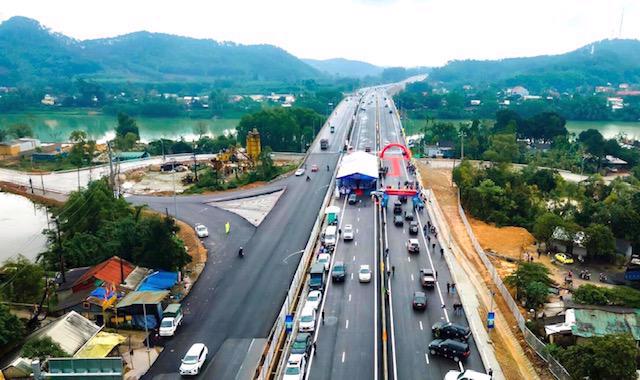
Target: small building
x,y
113,271
127,156
518,90
101,345
143,308
442,149
531,97
613,163
563,241
48,100
475,102
18,147
159,280
358,171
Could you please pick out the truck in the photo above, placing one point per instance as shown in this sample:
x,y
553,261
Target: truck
x,y
324,144
330,236
316,276
427,279
171,319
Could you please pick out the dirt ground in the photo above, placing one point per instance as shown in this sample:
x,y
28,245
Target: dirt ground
x,y
506,337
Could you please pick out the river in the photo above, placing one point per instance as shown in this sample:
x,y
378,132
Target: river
x,y
609,129
21,225
57,126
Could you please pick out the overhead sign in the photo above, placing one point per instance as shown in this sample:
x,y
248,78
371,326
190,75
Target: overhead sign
x,y
288,323
491,316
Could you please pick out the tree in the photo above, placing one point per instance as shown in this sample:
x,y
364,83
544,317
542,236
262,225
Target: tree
x,y
200,129
528,279
503,148
3,135
11,328
127,124
607,357
600,242
544,226
536,293
593,142
544,179
26,280
42,348
20,130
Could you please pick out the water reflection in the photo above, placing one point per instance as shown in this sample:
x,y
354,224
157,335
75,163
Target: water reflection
x,y
21,225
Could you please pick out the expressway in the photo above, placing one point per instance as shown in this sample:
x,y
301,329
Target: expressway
x,y
347,344
236,300
411,330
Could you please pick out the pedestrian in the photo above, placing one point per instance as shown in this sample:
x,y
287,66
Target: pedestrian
x,y
429,238
490,373
323,316
531,258
315,348
393,270
386,251
453,288
436,275
443,306
448,287
433,246
339,231
441,252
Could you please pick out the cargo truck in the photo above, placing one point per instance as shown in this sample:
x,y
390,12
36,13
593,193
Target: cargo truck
x,y
171,319
324,144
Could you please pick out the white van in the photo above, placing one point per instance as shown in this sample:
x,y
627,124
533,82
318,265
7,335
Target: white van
x,y
307,322
330,235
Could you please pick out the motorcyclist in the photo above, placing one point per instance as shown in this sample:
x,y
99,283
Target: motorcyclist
x,y
308,178
241,252
327,167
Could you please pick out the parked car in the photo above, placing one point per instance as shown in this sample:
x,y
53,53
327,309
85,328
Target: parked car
x,y
450,330
339,272
313,298
353,199
299,172
364,274
307,321
194,359
419,301
427,279
450,348
563,258
295,367
413,246
302,344
398,221
171,318
325,259
347,232
201,230
414,228
467,374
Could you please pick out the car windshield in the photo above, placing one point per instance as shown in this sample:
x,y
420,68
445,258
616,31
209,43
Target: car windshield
x,y
420,298
312,298
166,323
364,270
306,318
339,268
299,344
201,228
292,371
190,359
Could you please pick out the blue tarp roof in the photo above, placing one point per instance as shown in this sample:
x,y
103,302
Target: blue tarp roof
x,y
160,280
101,293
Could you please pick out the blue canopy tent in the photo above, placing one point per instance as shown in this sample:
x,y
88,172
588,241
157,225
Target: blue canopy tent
x,y
358,171
159,280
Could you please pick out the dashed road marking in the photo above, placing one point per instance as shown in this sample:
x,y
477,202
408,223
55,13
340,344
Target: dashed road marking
x,y
350,296
354,259
409,258
412,277
421,328
343,355
346,325
355,243
426,356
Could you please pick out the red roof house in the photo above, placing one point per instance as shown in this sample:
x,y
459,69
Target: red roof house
x,y
114,271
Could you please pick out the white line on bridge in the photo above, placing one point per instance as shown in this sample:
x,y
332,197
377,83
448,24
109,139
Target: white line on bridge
x,y
343,354
346,325
421,328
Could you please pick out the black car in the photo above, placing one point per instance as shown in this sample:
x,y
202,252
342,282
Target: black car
x,y
419,301
414,228
448,330
398,221
449,349
339,272
397,208
408,216
353,199
302,344
403,198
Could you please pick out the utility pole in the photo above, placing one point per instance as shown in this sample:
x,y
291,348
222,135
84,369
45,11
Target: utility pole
x,y
111,179
462,136
195,166
60,257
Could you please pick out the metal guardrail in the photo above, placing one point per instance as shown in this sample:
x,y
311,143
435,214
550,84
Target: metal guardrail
x,y
532,340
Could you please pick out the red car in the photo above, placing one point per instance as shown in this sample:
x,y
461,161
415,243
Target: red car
x,y
314,168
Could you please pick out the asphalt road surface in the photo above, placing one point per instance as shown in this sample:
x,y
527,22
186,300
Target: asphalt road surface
x,y
411,330
239,298
347,345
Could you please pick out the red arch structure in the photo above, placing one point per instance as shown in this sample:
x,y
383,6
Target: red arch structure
x,y
405,192
396,145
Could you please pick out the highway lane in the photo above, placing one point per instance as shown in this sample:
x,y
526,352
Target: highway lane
x,y
347,343
411,329
239,298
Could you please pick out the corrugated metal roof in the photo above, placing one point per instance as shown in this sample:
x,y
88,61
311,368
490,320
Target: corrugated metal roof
x,y
143,298
135,278
590,323
71,331
100,345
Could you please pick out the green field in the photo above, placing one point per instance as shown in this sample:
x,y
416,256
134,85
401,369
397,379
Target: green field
x,y
609,129
56,126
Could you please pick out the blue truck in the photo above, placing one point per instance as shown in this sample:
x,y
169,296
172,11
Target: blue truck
x,y
316,276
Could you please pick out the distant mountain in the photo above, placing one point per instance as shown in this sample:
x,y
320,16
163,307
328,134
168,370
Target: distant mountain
x,y
599,63
344,67
30,53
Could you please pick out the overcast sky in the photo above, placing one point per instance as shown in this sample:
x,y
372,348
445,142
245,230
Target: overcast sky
x,y
383,32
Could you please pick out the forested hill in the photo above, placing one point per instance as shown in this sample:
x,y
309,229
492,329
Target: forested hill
x,y
345,67
599,63
30,53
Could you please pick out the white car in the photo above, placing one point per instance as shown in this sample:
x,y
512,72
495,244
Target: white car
x,y
467,374
299,172
202,231
307,322
194,359
347,232
325,259
364,274
295,368
313,298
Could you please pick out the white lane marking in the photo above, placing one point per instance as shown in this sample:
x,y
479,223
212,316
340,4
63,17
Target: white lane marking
x,y
421,328
375,294
357,230
354,259
461,367
426,356
355,243
409,258
358,218
352,276
349,297
411,277
393,329
346,325
343,355
358,209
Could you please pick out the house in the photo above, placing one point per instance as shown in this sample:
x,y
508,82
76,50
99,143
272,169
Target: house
x,y
531,97
562,241
604,89
126,156
48,100
18,146
616,103
143,308
614,163
101,345
475,102
113,271
71,332
442,149
518,90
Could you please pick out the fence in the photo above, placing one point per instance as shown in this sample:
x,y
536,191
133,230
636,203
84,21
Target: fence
x,y
532,340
